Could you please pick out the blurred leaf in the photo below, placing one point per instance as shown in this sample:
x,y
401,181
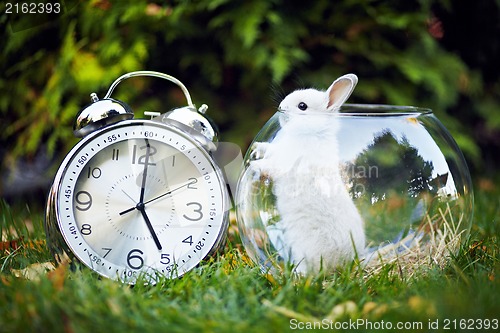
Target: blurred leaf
x,y
229,54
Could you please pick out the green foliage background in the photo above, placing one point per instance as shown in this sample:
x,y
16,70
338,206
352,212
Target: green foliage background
x,y
241,57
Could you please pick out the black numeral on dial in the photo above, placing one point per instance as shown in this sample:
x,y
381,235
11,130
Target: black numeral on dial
x,y
134,259
86,229
142,158
188,240
83,200
116,154
192,181
94,173
165,259
197,212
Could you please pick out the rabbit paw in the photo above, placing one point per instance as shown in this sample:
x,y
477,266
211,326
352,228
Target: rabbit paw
x,y
258,150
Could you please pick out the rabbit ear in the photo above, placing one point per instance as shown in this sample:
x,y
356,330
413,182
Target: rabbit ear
x,y
340,90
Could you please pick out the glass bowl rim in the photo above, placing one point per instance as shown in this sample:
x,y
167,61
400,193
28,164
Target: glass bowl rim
x,y
369,110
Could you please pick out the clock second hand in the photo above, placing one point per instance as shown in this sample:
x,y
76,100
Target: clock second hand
x,y
128,196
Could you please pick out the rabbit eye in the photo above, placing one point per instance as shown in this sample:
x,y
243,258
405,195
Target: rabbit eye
x,y
302,106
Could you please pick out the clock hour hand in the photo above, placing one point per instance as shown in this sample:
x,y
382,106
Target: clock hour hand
x,y
128,210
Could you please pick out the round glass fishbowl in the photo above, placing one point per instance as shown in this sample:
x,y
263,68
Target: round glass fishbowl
x,y
374,183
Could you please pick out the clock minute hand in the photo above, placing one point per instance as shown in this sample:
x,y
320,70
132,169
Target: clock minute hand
x,y
154,199
145,172
140,206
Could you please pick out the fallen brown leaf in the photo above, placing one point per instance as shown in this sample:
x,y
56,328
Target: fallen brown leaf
x,y
11,244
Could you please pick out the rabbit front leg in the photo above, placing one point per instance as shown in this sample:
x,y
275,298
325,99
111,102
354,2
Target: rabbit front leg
x,y
258,150
264,163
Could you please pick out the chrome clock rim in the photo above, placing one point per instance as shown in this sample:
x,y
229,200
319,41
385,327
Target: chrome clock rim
x,y
57,234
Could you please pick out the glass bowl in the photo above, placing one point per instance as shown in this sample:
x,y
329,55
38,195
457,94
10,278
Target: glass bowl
x,y
374,183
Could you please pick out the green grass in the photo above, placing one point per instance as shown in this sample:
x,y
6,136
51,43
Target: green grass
x,y
229,294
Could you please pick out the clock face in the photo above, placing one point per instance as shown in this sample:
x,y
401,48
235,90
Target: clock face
x,y
140,198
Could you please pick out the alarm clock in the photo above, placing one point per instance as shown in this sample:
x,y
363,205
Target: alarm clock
x,y
138,199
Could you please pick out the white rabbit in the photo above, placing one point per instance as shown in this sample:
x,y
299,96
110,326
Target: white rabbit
x,y
319,224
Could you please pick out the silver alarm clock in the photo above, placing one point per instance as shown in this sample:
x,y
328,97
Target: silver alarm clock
x,y
138,198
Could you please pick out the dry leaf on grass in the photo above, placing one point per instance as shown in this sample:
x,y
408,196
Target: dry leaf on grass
x,y
34,271
11,244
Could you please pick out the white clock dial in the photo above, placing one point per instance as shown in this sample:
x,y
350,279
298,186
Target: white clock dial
x,y
141,198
